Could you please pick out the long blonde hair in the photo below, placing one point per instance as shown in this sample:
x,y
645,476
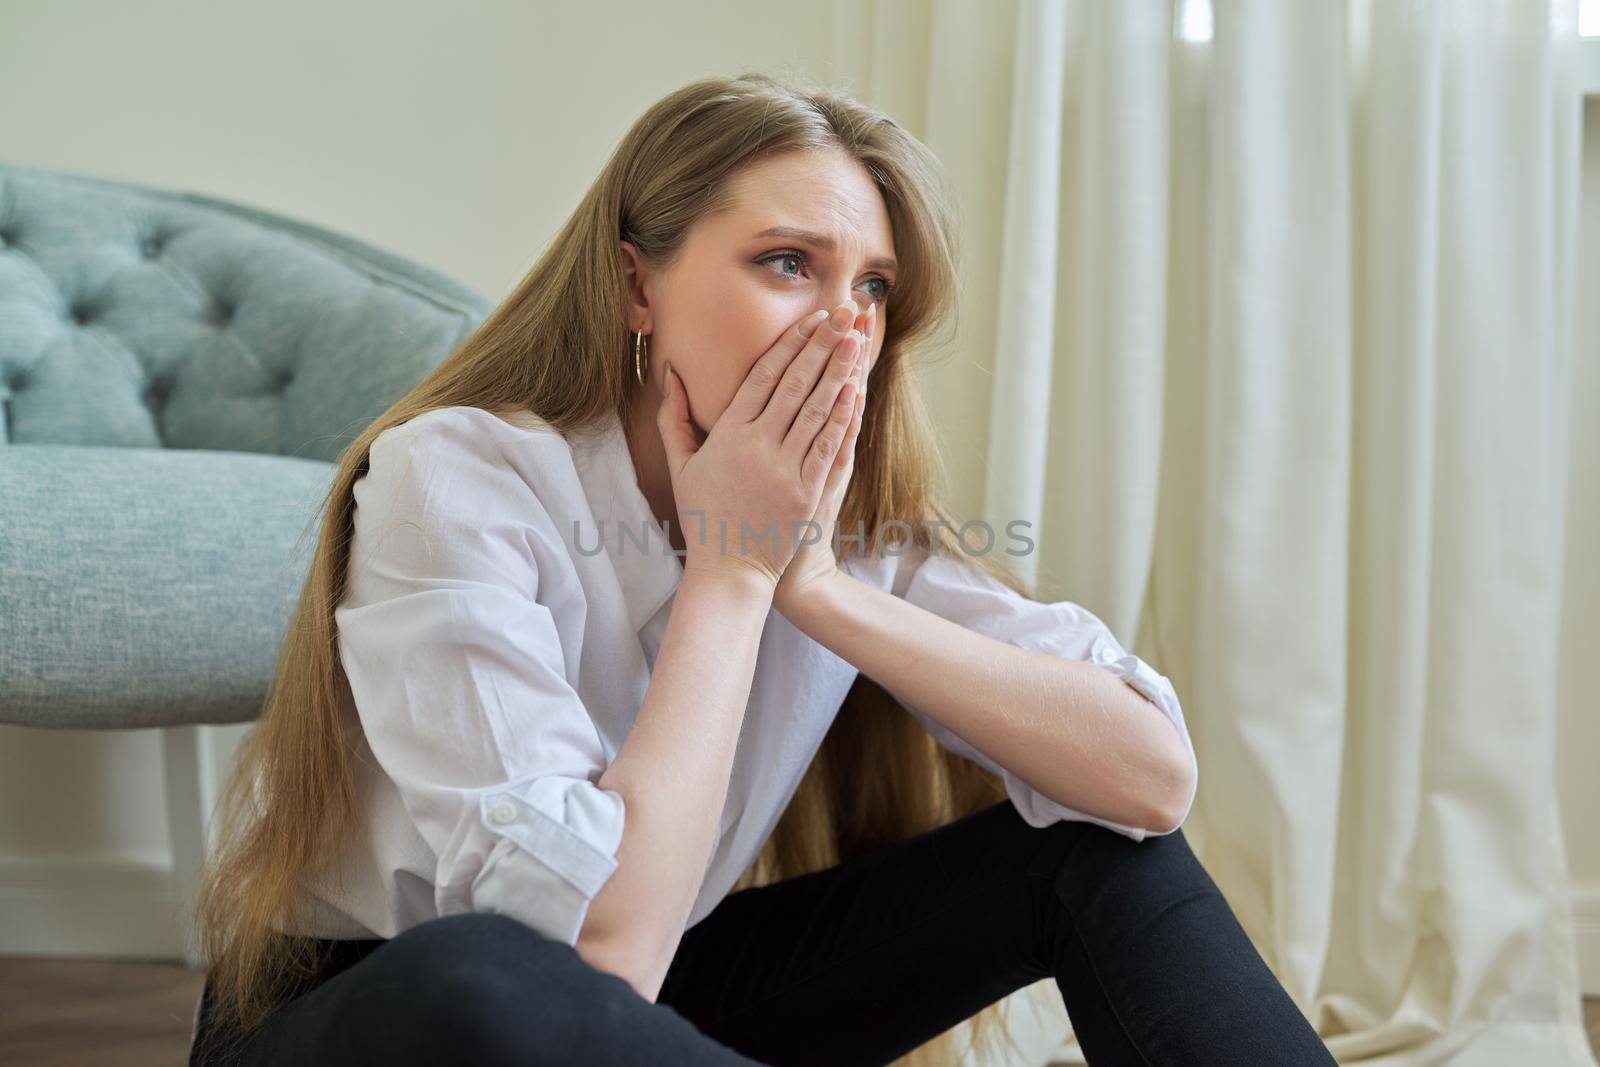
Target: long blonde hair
x,y
558,346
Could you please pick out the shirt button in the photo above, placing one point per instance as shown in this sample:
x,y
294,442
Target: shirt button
x,y
502,813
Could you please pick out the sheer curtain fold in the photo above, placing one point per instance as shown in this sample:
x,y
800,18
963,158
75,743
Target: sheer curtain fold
x,y
1269,336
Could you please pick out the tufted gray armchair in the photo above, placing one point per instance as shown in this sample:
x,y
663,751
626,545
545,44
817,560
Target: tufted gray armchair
x,y
177,373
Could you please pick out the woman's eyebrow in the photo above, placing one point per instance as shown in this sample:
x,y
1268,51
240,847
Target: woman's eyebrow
x,y
824,242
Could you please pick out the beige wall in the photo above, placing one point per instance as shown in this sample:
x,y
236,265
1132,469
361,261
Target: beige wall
x,y
458,135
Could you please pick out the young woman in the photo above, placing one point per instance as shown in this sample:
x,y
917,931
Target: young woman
x,y
643,706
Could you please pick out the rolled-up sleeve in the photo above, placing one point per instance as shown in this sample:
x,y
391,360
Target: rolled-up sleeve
x,y
461,680
954,589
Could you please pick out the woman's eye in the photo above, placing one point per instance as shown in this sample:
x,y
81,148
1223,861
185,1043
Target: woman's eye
x,y
783,257
885,287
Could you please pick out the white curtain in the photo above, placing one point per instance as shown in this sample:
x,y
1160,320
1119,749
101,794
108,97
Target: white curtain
x,y
1267,331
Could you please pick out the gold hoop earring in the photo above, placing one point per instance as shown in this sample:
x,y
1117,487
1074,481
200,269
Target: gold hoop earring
x,y
641,356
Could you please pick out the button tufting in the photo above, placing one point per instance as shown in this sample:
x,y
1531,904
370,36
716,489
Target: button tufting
x,y
79,313
5,237
150,247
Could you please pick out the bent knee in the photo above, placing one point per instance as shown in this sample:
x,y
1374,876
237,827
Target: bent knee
x,y
1090,851
475,957
495,986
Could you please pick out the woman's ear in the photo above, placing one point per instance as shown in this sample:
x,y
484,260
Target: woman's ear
x,y
633,267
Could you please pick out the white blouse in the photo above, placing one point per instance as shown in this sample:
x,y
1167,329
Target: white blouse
x,y
508,591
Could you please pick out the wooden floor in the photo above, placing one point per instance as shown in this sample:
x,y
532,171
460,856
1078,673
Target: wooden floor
x,y
71,1012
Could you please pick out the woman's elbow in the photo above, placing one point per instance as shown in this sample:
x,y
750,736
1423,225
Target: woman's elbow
x,y
1173,796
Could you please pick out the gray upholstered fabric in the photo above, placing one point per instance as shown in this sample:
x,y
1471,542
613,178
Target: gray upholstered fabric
x,y
176,374
148,584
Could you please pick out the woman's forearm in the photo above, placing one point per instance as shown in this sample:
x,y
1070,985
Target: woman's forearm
x,y
673,772
1074,731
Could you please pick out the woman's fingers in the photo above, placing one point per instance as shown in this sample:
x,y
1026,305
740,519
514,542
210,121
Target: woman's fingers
x,y
847,450
824,446
672,419
845,458
798,381
813,415
756,390
865,324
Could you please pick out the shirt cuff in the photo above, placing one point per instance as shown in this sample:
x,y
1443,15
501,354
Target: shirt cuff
x,y
558,839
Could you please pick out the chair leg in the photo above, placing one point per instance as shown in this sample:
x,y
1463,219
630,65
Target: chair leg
x,y
190,795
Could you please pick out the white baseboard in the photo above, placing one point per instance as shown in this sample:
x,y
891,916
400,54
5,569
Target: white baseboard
x,y
100,907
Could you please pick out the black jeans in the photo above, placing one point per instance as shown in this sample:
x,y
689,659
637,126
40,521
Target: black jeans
x,y
856,964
